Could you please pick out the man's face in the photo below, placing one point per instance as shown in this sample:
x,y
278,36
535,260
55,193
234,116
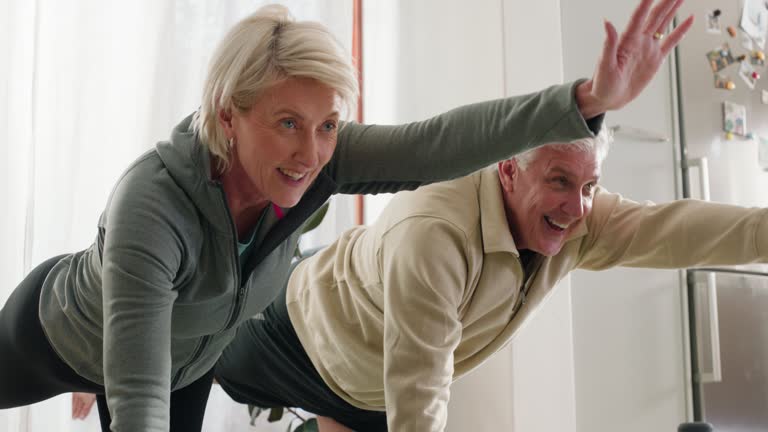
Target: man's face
x,y
548,199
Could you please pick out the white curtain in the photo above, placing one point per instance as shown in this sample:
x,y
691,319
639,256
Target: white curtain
x,y
85,87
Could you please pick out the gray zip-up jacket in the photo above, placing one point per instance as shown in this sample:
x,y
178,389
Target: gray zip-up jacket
x,y
150,306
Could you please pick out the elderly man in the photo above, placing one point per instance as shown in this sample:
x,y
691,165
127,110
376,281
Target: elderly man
x,y
373,329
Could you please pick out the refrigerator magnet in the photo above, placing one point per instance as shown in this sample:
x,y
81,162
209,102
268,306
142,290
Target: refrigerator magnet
x,y
724,82
734,118
720,58
713,22
748,73
757,58
754,21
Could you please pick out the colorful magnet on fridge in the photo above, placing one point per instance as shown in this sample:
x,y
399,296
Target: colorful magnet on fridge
x,y
713,22
741,58
757,58
729,136
732,31
734,118
748,73
720,58
724,82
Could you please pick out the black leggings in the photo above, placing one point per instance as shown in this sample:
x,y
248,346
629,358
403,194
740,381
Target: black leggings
x,y
187,406
266,366
30,371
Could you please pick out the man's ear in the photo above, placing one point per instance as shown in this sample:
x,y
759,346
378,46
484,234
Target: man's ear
x,y
508,172
225,120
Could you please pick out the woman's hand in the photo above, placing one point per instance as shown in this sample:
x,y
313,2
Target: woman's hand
x,y
82,404
628,63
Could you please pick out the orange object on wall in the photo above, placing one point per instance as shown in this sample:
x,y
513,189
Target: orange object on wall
x,y
357,57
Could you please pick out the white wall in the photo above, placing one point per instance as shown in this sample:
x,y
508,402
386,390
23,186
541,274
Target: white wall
x,y
529,385
629,344
423,57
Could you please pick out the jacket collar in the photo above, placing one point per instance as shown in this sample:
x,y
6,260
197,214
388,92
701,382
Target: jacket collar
x,y
189,163
493,219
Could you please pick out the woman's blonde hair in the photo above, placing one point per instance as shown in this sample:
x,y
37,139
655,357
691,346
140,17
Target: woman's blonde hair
x,y
259,51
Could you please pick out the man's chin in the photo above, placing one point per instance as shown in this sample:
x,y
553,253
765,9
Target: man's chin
x,y
550,250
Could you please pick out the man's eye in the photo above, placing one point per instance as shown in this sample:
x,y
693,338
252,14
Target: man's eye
x,y
589,188
288,124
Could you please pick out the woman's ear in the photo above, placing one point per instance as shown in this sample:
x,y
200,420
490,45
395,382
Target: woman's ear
x,y
225,120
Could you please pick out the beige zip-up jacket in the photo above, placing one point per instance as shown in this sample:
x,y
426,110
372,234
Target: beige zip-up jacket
x,y
391,314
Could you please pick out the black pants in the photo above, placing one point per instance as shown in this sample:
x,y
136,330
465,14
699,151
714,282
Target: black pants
x,y
266,366
30,371
187,406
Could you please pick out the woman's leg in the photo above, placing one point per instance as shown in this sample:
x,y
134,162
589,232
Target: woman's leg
x,y
30,371
187,406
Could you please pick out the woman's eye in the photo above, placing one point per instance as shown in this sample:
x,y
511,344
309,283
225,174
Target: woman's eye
x,y
288,124
329,126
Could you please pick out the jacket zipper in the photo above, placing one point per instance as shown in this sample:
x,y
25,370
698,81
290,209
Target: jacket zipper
x,y
241,291
205,340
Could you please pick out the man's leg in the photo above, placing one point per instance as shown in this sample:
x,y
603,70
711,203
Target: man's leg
x,y
266,366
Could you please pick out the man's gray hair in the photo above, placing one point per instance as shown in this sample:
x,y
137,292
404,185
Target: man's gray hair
x,y
598,145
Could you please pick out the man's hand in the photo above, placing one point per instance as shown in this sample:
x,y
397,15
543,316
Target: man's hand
x,y
628,63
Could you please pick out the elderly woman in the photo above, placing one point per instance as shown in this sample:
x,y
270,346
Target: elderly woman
x,y
198,233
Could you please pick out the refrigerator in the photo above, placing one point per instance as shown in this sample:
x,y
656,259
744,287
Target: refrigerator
x,y
722,96
656,348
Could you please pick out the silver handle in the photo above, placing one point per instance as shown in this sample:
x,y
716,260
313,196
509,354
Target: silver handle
x,y
638,133
703,167
714,333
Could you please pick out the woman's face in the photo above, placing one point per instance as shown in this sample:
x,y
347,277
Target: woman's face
x,y
285,139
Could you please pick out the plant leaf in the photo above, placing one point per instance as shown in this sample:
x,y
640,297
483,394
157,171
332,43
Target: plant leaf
x,y
316,218
308,426
275,414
